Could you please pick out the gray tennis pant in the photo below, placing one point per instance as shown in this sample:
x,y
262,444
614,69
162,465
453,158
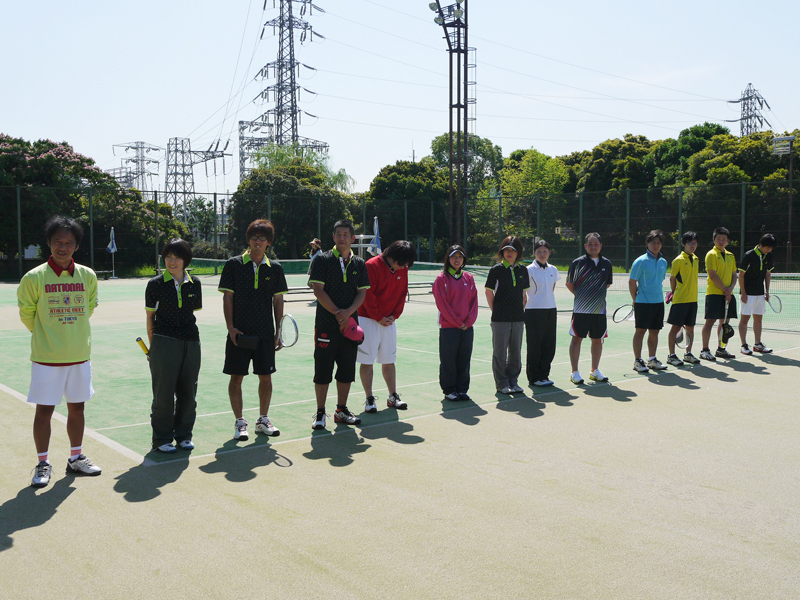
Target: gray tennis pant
x,y
507,352
174,366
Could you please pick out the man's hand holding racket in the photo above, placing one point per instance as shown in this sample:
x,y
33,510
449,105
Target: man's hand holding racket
x,y
233,333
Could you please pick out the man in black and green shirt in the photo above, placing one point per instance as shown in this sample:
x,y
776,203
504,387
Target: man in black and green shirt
x,y
253,289
340,284
755,274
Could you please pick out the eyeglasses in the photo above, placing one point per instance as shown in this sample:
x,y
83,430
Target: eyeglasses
x,y
258,238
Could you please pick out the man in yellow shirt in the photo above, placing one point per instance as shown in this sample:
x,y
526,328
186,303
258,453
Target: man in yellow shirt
x,y
55,302
721,268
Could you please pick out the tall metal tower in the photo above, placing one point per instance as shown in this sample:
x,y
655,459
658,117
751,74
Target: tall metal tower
x,y
280,124
140,170
180,162
123,175
453,19
752,103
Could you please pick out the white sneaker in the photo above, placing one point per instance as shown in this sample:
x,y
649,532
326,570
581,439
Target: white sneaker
x,y
673,360
41,474
596,375
167,448
240,430
516,389
542,383
394,401
639,366
83,466
369,405
576,378
265,426
508,390
452,397
655,364
318,422
187,445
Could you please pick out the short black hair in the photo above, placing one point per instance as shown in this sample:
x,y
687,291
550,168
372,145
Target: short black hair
x,y
688,236
180,248
263,227
402,252
655,233
721,231
591,235
450,251
57,222
542,244
344,223
768,240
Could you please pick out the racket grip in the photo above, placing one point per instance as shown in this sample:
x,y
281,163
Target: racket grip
x,y
670,295
143,346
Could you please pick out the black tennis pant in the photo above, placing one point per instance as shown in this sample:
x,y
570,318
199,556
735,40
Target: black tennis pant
x,y
540,335
455,354
174,366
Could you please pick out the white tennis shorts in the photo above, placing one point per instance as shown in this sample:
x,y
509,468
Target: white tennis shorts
x,y
380,343
755,305
50,384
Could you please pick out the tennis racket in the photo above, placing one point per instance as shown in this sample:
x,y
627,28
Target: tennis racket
x,y
623,313
679,339
727,329
143,346
287,332
775,303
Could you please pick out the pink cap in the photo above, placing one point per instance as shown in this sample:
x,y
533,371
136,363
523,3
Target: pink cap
x,y
353,331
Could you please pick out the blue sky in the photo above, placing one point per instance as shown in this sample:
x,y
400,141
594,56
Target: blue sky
x,y
557,76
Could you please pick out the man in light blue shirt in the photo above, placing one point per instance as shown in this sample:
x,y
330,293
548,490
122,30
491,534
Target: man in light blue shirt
x,y
645,284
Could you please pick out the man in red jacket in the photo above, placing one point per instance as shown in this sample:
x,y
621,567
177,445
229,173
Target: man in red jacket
x,y
386,297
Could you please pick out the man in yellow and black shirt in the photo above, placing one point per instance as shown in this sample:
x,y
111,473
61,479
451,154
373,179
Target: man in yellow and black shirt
x,y
55,302
683,286
721,269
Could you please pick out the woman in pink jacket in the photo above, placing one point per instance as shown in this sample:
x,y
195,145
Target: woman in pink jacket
x,y
457,300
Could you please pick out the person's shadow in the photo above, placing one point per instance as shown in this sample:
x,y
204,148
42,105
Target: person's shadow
x,y
463,411
240,466
742,366
338,448
31,508
552,393
526,407
672,379
782,361
392,428
142,483
606,390
707,372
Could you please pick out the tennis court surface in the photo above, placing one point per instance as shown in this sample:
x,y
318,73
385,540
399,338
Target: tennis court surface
x,y
675,485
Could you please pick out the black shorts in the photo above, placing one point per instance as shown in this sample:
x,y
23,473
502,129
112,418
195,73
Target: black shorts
x,y
237,360
332,348
595,326
715,307
684,314
649,315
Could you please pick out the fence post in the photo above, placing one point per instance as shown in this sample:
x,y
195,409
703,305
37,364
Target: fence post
x,y
580,222
680,218
91,230
538,217
499,217
627,228
155,216
744,211
466,206
319,217
430,247
364,210
405,218
216,233
269,207
21,256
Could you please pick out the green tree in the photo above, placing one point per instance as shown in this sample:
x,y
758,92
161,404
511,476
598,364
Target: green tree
x,y
485,159
273,156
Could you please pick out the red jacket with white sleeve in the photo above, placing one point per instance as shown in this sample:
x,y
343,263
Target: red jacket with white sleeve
x,y
386,296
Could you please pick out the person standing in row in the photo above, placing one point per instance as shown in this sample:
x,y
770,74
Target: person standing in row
x,y
588,279
683,286
755,275
170,302
340,283
253,289
541,316
720,300
646,286
56,300
506,287
383,305
457,301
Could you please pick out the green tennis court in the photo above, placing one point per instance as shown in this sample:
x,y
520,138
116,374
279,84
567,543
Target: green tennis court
x,y
665,486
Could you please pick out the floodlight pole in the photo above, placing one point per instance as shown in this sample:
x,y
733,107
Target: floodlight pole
x,y
776,150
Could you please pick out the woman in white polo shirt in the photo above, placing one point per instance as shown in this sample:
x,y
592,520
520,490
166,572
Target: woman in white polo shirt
x,y
540,316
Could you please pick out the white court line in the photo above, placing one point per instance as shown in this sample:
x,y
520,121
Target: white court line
x,y
109,443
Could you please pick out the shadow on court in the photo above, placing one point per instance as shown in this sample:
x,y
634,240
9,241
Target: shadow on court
x,y
239,463
466,412
31,508
141,483
338,448
782,361
713,372
745,366
526,407
556,395
392,429
606,390
672,379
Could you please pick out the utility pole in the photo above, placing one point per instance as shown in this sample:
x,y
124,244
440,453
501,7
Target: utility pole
x,y
180,168
453,19
279,125
140,170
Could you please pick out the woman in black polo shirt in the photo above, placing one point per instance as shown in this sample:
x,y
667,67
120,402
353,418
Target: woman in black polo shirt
x,y
506,287
170,302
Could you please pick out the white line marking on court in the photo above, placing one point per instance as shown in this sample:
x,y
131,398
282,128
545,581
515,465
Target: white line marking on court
x,y
123,450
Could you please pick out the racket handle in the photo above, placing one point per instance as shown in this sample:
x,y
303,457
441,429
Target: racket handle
x,y
143,346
